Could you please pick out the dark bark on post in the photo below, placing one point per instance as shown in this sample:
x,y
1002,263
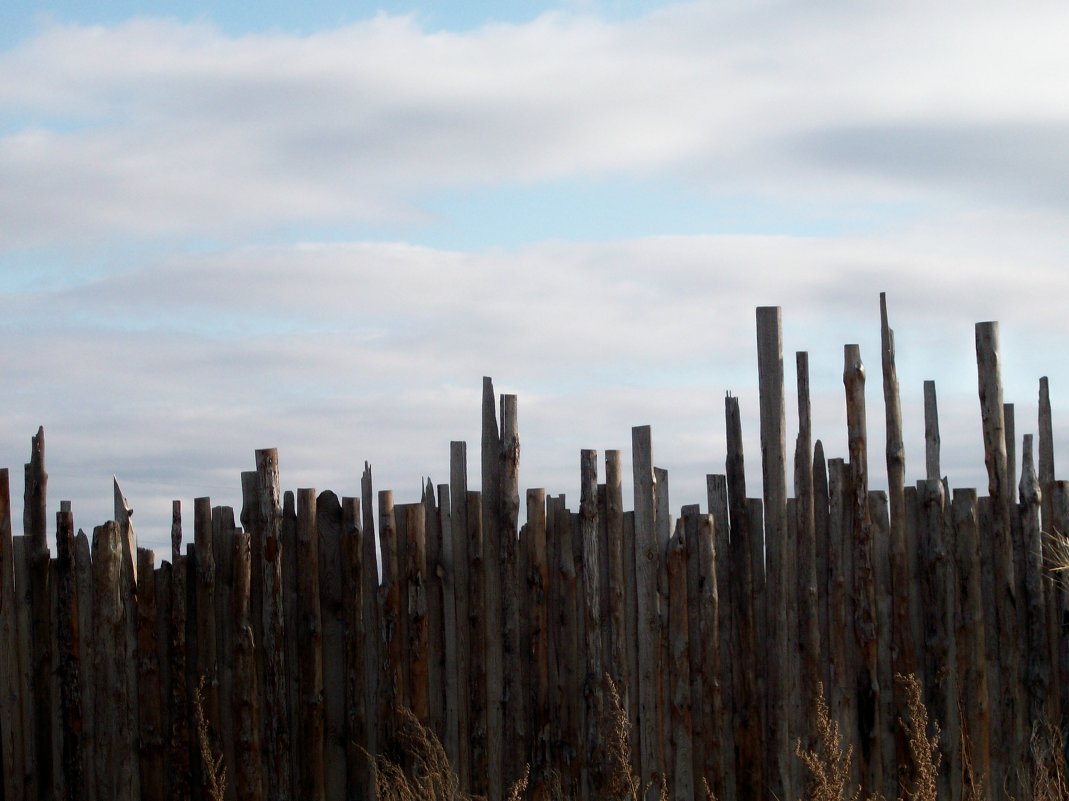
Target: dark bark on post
x,y
840,648
570,671
291,613
820,526
888,717
223,530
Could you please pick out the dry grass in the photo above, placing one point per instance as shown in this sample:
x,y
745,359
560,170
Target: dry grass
x,y
923,750
827,764
214,770
1048,764
1056,550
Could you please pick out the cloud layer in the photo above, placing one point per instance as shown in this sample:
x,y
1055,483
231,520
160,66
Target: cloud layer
x,y
211,243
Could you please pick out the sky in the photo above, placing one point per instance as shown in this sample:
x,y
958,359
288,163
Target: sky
x,y
228,226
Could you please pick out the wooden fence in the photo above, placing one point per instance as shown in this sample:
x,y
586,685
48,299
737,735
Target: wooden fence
x,y
717,628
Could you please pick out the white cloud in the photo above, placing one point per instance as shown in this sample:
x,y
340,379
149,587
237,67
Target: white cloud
x,y
154,127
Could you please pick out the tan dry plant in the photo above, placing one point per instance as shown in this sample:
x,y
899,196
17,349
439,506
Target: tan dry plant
x,y
827,764
214,770
432,778
923,750
1056,556
1048,763
621,784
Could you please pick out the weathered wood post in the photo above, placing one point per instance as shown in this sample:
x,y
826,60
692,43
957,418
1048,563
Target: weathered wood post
x,y
591,612
970,642
1037,673
749,731
864,589
357,720
68,656
278,779
458,522
332,618
492,572
773,471
989,378
647,558
681,779
537,577
12,733
35,529
149,696
179,753
245,707
514,736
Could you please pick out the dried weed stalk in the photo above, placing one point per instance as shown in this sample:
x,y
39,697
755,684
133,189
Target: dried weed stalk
x,y
1048,763
923,750
827,763
214,770
432,777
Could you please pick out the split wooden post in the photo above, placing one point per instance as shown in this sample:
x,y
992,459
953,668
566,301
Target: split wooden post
x,y
207,652
392,689
414,608
989,379
179,751
723,679
309,633
369,583
434,592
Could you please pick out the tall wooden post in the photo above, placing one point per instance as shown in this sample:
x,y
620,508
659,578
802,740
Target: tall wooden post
x,y
1010,737
773,471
